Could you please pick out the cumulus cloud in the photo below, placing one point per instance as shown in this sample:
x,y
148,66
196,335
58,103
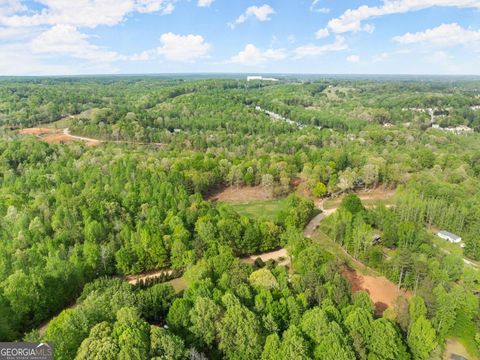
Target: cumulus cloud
x,y
317,50
253,56
380,57
353,20
261,13
67,40
353,59
315,8
10,7
205,3
83,13
12,34
443,35
183,48
322,33
17,59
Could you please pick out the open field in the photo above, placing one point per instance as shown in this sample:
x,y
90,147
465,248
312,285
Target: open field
x,y
252,201
280,255
266,209
38,131
52,135
381,290
368,197
453,346
241,194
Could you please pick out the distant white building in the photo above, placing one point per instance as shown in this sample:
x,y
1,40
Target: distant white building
x,y
454,239
260,78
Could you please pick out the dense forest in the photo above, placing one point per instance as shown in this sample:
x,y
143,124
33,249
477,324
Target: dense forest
x,y
76,219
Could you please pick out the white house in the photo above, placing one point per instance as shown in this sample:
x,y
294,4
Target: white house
x,y
260,78
455,239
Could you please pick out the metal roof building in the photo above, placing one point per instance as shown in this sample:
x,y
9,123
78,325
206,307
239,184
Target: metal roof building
x,y
449,236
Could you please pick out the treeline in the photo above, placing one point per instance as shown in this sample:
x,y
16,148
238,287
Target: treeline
x,y
235,311
403,251
69,216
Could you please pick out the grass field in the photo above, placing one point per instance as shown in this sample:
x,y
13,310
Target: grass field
x,y
262,209
336,250
444,244
464,331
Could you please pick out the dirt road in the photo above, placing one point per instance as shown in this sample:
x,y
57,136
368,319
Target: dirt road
x,y
271,255
90,141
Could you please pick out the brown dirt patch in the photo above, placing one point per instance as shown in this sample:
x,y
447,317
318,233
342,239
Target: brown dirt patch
x,y
57,138
455,347
37,131
134,279
242,194
371,195
379,193
381,290
271,255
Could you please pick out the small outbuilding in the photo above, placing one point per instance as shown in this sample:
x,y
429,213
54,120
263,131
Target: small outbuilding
x,y
454,239
376,238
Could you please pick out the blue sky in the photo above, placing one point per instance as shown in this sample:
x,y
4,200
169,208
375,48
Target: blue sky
x,y
61,37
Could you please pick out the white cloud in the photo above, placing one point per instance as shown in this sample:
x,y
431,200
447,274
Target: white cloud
x,y
152,6
19,59
314,50
441,57
11,34
322,33
183,48
67,40
261,13
9,7
443,35
253,56
380,57
83,13
205,3
352,19
322,10
353,58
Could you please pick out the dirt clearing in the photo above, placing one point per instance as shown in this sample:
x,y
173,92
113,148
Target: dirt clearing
x,y
134,279
277,255
455,347
242,194
381,290
368,197
37,131
58,136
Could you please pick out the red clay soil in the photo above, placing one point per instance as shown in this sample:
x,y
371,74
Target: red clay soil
x,y
242,194
37,131
381,290
57,138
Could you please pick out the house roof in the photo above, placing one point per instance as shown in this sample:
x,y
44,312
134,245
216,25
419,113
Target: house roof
x,y
449,235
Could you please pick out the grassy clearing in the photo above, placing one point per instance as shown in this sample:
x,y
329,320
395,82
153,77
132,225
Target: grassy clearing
x,y
67,121
61,124
263,209
444,244
334,203
337,251
464,330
